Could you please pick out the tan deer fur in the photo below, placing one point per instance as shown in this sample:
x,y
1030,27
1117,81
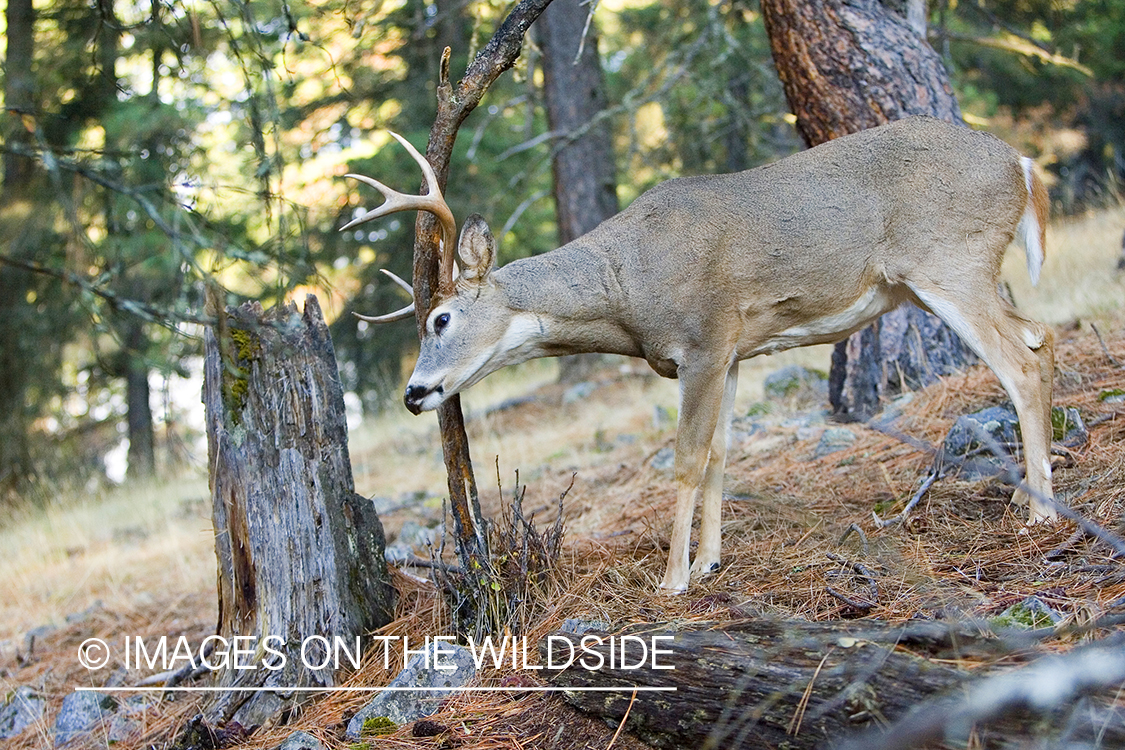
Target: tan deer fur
x,y
701,272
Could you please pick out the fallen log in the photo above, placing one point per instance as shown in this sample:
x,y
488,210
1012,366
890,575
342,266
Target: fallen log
x,y
796,684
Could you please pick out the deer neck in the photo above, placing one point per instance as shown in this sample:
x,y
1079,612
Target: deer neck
x,y
568,301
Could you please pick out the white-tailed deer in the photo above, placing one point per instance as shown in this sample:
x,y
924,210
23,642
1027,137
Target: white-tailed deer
x,y
701,272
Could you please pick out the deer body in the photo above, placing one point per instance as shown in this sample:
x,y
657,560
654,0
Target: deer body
x,y
701,272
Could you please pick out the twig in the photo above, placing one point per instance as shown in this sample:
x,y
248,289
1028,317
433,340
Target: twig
x,y
585,30
798,716
863,572
854,529
848,600
624,719
1068,545
927,483
1112,360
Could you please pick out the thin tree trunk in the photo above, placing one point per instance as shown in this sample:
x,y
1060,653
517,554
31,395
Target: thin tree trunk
x,y
138,401
300,553
454,105
847,66
585,179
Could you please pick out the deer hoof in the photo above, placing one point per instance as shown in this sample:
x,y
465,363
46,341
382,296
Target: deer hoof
x,y
702,569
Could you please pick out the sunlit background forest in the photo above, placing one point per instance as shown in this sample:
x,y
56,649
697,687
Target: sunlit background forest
x,y
153,148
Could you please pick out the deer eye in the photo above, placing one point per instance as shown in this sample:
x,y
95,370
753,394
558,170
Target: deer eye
x,y
440,322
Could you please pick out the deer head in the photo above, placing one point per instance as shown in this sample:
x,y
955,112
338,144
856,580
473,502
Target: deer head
x,y
469,329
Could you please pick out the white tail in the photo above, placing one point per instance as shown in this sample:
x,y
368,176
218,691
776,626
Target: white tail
x,y
701,272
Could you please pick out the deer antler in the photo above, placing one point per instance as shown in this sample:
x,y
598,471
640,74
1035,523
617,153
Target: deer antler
x,y
395,201
402,314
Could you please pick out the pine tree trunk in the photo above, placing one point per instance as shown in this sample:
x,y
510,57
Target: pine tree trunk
x,y
18,171
142,438
585,180
300,553
847,66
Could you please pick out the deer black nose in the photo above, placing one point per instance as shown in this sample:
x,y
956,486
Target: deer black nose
x,y
414,396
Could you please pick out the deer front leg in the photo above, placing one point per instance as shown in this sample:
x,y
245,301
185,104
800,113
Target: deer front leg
x,y
701,396
711,523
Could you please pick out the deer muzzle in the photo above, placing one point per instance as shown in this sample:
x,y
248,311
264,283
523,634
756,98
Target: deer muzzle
x,y
416,396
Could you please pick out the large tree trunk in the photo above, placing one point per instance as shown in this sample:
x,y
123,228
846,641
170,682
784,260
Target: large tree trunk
x,y
847,66
300,553
585,179
798,684
19,99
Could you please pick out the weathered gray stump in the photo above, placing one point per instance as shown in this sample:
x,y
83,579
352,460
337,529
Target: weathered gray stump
x,y
792,684
300,554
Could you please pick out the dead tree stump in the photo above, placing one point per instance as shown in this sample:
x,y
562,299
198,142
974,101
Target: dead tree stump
x,y
300,554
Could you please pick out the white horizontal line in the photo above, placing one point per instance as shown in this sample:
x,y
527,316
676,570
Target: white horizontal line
x,y
482,689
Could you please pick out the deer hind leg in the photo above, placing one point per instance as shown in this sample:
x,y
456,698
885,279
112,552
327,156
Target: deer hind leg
x,y
711,523
701,397
1021,353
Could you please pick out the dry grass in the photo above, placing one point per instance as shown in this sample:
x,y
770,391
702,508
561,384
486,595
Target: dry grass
x,y
964,553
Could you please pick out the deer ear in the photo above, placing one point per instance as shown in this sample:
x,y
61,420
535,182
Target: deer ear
x,y
477,249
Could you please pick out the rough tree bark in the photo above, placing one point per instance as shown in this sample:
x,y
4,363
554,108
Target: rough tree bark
x,y
585,178
847,66
300,554
138,397
18,171
454,105
798,684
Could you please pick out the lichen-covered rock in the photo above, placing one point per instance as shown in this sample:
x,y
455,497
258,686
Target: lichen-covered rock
x,y
301,741
796,383
976,459
21,709
81,713
440,667
834,439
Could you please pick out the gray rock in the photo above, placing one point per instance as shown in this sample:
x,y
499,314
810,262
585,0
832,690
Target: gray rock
x,y
430,670
578,392
21,709
664,460
1001,423
414,535
81,712
35,635
814,418
1030,614
301,741
1068,428
125,722
580,626
964,442
795,383
834,439
663,418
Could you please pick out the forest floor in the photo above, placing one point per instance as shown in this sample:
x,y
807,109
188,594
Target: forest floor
x,y
139,561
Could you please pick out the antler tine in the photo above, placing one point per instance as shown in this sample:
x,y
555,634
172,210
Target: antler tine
x,y
432,201
402,314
